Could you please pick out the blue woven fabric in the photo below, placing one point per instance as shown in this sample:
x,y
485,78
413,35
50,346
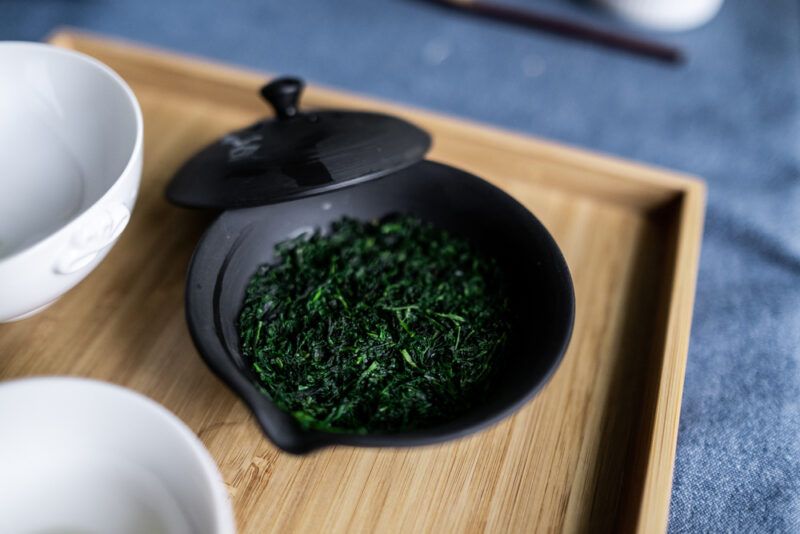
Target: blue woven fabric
x,y
731,115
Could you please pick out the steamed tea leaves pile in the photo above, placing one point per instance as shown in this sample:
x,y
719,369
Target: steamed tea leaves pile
x,y
375,326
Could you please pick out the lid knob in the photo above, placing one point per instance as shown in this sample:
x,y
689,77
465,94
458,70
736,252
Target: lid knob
x,y
283,94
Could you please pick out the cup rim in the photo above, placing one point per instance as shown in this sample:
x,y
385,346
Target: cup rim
x,y
222,509
135,151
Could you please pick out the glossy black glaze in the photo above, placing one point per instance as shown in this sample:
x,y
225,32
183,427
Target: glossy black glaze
x,y
296,155
283,94
542,292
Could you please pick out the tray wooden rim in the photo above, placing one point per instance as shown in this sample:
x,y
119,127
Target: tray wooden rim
x,y
643,187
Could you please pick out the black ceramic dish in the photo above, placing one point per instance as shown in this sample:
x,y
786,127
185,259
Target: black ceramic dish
x,y
542,298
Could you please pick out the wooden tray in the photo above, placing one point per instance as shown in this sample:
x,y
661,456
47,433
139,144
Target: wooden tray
x,y
593,452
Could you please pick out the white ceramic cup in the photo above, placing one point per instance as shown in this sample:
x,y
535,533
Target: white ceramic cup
x,y
70,166
668,15
79,456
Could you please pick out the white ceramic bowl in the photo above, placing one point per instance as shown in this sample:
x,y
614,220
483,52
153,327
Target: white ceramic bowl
x,y
667,15
70,166
82,456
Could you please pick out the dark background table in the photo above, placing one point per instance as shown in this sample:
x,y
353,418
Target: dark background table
x,y
731,114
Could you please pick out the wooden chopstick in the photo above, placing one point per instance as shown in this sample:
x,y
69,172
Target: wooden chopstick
x,y
566,28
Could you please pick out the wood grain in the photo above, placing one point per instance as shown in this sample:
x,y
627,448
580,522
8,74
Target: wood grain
x,y
594,452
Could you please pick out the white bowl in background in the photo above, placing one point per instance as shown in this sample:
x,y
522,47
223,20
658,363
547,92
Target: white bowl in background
x,y
666,15
70,166
84,456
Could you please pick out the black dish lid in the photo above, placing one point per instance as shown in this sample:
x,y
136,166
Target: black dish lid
x,y
296,154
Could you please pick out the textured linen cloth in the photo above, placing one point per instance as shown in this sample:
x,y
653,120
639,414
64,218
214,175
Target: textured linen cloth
x,y
730,115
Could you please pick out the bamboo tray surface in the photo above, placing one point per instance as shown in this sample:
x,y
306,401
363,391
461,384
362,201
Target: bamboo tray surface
x,y
593,452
